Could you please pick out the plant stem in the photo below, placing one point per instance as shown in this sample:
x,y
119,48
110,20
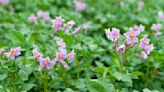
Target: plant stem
x,y
122,60
77,69
154,74
12,77
14,87
147,73
65,77
121,63
45,82
105,72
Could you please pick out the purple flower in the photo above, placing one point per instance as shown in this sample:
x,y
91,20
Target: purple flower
x,y
157,33
69,25
60,56
80,6
156,27
149,48
143,55
32,19
131,36
45,63
140,28
85,25
14,52
47,18
4,2
42,14
121,48
61,44
77,30
161,15
65,65
71,56
144,42
59,20
57,26
37,55
113,35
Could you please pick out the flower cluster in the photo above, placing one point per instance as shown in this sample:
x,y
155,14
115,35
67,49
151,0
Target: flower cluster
x,y
44,62
131,36
37,55
45,15
60,56
144,43
84,26
156,28
131,39
80,6
139,28
147,51
32,19
113,35
4,2
40,14
58,24
69,25
14,52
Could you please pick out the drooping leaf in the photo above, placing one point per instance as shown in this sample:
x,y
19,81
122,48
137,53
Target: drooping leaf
x,y
95,86
27,86
100,85
3,76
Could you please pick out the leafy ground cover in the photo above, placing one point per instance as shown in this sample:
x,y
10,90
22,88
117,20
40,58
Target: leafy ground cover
x,y
81,46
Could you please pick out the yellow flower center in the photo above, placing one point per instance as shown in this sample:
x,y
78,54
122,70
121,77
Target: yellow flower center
x,y
57,26
37,55
143,41
60,56
13,52
46,62
131,35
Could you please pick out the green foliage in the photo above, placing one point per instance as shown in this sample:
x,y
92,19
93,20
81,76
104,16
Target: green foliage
x,y
96,66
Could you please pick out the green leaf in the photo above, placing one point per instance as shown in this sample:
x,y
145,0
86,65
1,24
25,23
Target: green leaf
x,y
137,73
27,86
80,83
100,69
16,37
1,87
107,85
95,86
69,90
2,44
23,75
25,71
118,75
3,76
101,85
127,79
